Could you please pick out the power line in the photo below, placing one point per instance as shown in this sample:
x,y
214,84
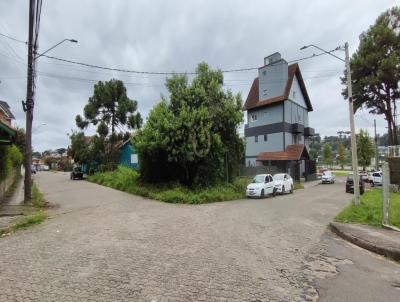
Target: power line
x,y
171,73
14,39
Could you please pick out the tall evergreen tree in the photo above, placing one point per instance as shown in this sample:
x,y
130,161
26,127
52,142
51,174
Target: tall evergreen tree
x,y
375,68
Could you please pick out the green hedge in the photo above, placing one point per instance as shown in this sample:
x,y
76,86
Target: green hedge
x,y
10,158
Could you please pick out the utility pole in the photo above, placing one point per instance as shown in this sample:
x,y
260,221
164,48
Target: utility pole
x,y
352,128
29,108
376,148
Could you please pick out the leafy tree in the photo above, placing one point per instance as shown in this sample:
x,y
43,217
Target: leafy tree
x,y
365,149
110,109
375,69
315,146
341,155
327,152
192,137
19,140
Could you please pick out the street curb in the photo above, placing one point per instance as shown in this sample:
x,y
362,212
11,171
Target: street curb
x,y
384,251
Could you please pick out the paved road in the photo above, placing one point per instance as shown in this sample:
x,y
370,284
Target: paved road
x,y
105,245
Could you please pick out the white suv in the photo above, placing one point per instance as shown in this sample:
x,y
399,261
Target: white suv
x,y
376,178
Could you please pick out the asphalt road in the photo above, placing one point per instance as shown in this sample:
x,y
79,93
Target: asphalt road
x,y
104,245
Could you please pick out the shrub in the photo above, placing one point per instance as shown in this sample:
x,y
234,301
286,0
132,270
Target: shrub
x,y
128,180
10,158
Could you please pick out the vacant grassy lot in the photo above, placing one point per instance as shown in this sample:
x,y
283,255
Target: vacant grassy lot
x,y
127,180
341,173
370,210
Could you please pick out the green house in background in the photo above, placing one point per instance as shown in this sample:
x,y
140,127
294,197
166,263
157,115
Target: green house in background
x,y
128,156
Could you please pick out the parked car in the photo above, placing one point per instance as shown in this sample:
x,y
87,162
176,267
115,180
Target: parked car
x,y
33,169
350,184
76,173
262,185
375,178
328,177
283,183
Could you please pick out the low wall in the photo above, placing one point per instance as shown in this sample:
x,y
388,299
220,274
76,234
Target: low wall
x,y
394,167
6,184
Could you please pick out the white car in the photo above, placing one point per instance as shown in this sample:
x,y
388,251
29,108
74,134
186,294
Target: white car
x,y
283,183
262,185
328,177
376,178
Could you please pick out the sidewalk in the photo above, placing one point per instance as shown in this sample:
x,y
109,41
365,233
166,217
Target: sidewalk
x,y
378,240
12,207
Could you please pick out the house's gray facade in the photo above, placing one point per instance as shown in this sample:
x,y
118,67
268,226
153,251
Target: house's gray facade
x,y
277,113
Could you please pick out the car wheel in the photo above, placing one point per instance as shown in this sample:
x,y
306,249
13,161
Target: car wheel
x,y
291,189
71,177
274,192
262,193
372,184
283,189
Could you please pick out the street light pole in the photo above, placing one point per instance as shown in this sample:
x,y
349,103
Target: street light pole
x,y
352,128
351,113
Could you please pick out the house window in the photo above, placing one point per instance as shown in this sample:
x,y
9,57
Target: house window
x,y
294,94
265,137
254,117
256,139
265,91
264,72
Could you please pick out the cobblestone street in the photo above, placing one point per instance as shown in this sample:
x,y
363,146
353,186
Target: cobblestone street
x,y
104,245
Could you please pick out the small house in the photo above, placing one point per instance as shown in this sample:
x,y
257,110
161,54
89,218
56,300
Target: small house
x,y
128,156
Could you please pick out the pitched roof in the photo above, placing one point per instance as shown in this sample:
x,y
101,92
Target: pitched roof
x,y
6,109
292,152
253,100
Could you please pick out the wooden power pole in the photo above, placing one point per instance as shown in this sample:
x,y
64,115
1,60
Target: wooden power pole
x,y
29,106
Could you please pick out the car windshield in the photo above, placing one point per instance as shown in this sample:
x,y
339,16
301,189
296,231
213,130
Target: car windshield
x,y
279,176
259,179
327,173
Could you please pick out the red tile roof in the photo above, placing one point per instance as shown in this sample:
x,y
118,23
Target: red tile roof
x,y
292,152
253,100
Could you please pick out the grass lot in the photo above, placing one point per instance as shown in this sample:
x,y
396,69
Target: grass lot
x,y
341,173
370,210
127,180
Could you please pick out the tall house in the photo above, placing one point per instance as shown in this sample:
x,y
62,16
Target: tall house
x,y
278,133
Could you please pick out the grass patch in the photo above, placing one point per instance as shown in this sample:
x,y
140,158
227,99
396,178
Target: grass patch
x,y
370,210
32,219
34,213
38,200
126,179
341,173
298,185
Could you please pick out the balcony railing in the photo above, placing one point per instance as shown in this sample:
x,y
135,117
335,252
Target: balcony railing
x,y
308,131
297,128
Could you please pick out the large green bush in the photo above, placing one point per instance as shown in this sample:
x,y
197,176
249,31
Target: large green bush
x,y
10,158
191,137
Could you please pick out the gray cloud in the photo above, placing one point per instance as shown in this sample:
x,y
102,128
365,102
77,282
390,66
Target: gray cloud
x,y
175,36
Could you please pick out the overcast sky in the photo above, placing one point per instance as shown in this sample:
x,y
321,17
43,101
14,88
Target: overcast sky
x,y
176,35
